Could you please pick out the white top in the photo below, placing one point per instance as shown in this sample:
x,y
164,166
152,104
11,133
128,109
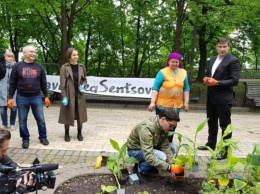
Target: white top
x,y
215,65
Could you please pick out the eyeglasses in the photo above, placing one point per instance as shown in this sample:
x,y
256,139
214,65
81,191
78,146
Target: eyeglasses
x,y
171,125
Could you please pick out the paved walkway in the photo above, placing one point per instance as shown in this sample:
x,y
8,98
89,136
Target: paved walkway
x,y
76,158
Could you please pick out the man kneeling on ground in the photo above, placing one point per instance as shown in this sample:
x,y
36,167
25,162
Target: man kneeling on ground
x,y
148,143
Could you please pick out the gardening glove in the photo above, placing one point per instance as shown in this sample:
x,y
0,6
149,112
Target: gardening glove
x,y
211,82
176,169
10,103
98,163
205,80
65,101
81,88
47,102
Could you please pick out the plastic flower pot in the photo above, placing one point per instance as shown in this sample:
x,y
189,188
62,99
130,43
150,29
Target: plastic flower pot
x,y
195,167
179,177
120,191
125,175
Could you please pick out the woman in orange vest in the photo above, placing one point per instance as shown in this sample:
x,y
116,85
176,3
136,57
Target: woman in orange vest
x,y
171,87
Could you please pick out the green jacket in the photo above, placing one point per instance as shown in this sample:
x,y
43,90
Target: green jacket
x,y
147,135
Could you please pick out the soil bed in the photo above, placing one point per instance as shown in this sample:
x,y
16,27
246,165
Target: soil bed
x,y
91,184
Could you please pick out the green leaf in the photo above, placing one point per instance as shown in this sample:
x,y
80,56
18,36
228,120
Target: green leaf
x,y
110,188
228,130
223,181
201,126
239,184
131,160
257,188
114,145
103,187
256,149
122,151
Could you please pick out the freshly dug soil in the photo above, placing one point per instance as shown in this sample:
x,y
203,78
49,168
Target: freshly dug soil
x,y
91,184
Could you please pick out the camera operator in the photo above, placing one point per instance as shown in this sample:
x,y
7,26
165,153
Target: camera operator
x,y
27,179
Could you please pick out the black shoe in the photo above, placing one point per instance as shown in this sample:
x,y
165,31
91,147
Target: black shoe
x,y
45,142
67,137
80,137
142,178
204,148
153,171
25,144
221,157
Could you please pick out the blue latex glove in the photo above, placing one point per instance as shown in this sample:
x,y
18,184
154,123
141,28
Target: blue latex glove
x,y
65,101
81,88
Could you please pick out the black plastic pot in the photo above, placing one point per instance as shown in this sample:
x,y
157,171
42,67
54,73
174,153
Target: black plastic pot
x,y
179,177
125,176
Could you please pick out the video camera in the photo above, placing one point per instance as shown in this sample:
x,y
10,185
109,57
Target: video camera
x,y
44,177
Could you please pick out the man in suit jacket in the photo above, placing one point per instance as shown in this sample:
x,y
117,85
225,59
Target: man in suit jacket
x,y
222,74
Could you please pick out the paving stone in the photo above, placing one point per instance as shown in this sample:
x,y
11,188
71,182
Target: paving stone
x,y
78,158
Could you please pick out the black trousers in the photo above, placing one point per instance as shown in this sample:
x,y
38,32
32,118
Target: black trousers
x,y
215,113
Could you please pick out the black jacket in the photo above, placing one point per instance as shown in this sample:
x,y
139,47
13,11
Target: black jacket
x,y
227,74
2,66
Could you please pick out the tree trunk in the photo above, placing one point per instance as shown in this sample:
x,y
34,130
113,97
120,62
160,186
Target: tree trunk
x,y
137,45
203,53
179,25
64,35
192,53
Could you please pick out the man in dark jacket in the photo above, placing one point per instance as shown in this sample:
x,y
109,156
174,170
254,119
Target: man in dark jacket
x,y
29,79
222,74
2,65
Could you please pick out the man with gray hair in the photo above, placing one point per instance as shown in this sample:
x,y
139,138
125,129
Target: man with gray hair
x,y
29,79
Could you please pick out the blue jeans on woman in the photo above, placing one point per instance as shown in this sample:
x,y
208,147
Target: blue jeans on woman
x,y
13,113
24,104
143,166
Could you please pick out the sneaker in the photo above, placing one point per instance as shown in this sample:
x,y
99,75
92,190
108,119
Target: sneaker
x,y
44,142
12,127
3,127
25,144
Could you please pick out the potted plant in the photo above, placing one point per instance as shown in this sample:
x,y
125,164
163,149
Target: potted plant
x,y
195,164
182,159
117,164
221,172
247,182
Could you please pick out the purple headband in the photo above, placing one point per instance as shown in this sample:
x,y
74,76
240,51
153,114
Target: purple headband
x,y
174,55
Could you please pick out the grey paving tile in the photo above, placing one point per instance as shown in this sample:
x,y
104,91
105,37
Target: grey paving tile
x,y
78,158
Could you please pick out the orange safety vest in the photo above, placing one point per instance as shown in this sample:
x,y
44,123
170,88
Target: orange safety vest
x,y
171,90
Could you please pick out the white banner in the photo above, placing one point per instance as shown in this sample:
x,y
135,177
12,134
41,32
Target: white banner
x,y
128,87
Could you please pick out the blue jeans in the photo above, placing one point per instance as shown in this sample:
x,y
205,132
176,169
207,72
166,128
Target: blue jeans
x,y
24,104
144,167
13,113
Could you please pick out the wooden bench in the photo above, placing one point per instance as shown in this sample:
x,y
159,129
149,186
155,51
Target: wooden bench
x,y
252,95
125,100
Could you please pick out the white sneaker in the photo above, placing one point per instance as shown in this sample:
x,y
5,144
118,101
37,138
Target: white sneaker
x,y
12,127
3,127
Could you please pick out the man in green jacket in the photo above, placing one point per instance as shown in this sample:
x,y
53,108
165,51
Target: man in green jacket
x,y
148,143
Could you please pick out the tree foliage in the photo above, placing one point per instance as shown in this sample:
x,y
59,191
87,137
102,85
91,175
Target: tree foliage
x,y
132,38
